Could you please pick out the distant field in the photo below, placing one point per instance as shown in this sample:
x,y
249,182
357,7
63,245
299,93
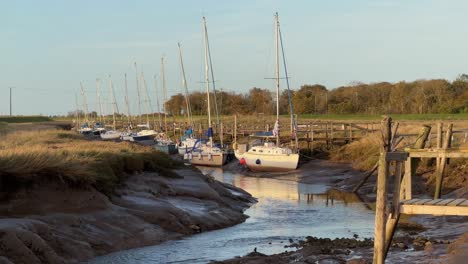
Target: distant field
x,y
24,119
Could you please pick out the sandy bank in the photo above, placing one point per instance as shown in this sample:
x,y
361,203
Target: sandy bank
x,y
52,223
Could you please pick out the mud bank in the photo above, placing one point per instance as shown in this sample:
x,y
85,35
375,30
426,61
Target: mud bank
x,y
54,223
421,239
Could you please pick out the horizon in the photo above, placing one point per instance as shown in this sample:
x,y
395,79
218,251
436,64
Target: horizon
x,y
51,46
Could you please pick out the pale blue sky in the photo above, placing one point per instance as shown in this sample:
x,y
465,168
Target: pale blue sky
x,y
48,47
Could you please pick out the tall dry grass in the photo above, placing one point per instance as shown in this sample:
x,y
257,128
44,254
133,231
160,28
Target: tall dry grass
x,y
34,157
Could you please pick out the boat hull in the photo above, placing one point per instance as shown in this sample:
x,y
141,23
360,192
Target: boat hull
x,y
166,148
110,136
269,163
216,159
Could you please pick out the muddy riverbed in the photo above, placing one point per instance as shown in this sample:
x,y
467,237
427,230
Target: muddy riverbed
x,y
294,208
290,207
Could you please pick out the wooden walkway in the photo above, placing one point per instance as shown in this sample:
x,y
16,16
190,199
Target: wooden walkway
x,y
401,166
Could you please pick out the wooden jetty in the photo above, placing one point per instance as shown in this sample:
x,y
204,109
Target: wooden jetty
x,y
402,166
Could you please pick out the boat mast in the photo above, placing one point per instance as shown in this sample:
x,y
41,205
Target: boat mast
x,y
207,81
291,110
98,92
126,102
147,108
211,71
277,76
138,93
164,94
184,83
111,88
85,107
77,113
157,100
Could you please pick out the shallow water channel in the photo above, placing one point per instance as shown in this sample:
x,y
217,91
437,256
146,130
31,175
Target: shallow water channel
x,y
285,210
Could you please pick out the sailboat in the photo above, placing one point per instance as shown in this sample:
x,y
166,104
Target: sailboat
x,y
99,125
112,134
188,141
206,154
163,143
84,129
146,135
270,156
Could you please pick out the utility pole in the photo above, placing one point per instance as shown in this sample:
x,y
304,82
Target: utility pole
x,y
11,112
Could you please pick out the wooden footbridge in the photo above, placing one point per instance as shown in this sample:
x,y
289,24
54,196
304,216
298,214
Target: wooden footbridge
x,y
402,166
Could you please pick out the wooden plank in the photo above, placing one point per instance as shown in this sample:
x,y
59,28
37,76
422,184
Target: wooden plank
x,y
444,202
422,201
397,156
433,210
465,203
412,201
432,202
456,202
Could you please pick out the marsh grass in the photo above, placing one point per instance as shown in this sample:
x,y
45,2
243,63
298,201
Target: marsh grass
x,y
41,156
24,119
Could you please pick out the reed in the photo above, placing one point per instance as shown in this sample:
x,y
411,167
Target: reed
x,y
41,156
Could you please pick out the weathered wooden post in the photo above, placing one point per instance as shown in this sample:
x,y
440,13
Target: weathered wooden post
x,y
235,128
380,216
412,163
443,162
439,143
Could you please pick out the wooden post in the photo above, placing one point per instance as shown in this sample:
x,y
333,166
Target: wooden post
x,y
380,217
331,133
235,128
221,134
412,163
326,133
312,136
394,216
405,188
443,162
439,143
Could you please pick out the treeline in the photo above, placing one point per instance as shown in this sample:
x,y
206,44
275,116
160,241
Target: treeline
x,y
417,97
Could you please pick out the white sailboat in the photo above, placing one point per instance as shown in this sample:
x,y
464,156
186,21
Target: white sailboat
x,y
112,134
271,156
146,135
99,125
163,143
206,154
188,141
84,129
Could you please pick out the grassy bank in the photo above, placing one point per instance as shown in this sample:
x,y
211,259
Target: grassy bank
x,y
24,119
40,156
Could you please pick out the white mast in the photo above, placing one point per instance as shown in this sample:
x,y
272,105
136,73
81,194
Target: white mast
x,y
163,79
184,83
147,108
138,93
77,114
277,76
207,78
111,88
126,101
85,106
157,100
98,92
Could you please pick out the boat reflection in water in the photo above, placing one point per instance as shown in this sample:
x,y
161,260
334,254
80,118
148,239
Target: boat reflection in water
x,y
285,210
